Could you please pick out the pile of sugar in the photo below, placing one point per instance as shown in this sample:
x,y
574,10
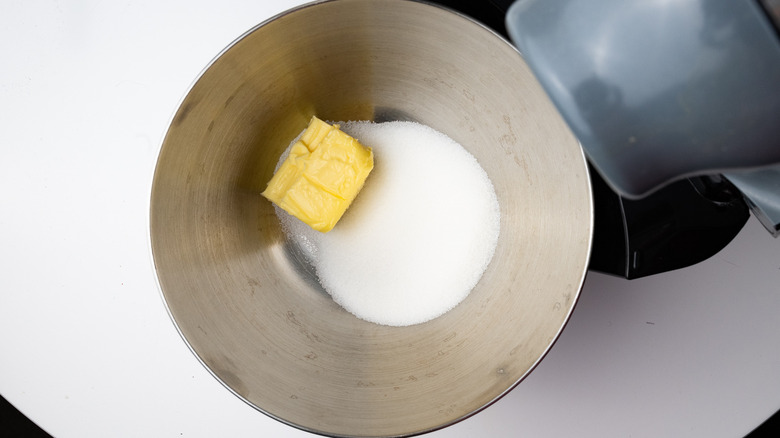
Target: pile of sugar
x,y
418,236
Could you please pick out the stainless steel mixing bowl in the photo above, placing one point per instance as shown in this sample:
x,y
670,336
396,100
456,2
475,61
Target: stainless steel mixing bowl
x,y
248,306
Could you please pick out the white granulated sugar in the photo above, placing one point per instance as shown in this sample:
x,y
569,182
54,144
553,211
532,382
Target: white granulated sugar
x,y
418,236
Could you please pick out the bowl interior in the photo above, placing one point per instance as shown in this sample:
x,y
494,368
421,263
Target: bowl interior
x,y
240,293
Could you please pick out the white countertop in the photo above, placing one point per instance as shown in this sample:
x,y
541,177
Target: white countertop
x,y
88,350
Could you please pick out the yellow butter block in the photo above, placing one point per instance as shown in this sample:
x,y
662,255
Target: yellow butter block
x,y
322,175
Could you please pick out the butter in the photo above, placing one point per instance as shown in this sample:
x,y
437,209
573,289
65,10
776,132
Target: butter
x,y
322,175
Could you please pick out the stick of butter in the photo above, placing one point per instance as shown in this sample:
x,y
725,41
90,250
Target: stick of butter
x,y
322,175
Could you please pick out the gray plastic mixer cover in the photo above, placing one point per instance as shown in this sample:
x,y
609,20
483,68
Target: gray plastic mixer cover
x,y
658,90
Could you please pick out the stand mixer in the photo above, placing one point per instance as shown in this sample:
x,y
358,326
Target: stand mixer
x,y
676,106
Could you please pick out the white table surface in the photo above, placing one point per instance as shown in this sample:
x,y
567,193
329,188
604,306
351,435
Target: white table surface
x,y
87,349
